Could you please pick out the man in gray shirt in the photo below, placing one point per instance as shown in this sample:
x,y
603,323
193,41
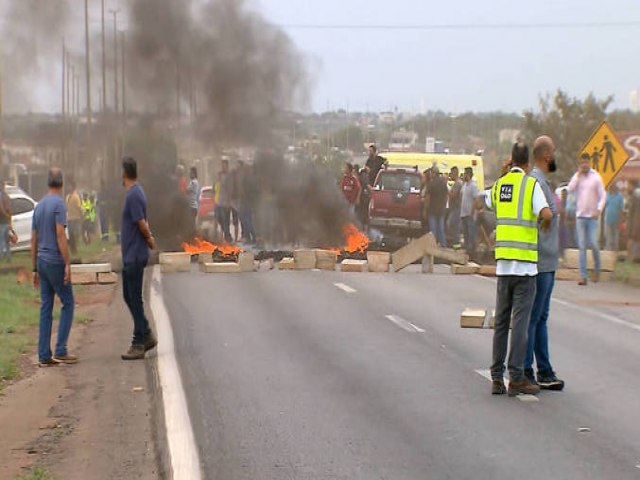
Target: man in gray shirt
x,y
548,254
469,193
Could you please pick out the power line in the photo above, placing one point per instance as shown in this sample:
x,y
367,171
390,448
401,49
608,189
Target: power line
x,y
475,26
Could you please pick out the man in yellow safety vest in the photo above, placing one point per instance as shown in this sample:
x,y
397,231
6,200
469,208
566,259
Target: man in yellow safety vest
x,y
519,203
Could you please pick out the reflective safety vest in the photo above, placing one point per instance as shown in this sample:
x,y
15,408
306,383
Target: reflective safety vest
x,y
517,225
88,210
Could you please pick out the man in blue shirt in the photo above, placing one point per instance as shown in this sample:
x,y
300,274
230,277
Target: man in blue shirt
x,y
136,240
612,212
52,271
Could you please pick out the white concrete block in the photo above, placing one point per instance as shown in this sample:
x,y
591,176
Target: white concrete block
x,y
378,261
246,260
90,268
304,259
353,265
326,259
221,267
171,262
287,263
473,318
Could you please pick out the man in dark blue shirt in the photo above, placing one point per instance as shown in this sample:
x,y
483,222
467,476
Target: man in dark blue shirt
x,y
136,240
52,271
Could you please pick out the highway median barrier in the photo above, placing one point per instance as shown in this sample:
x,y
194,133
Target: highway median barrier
x,y
246,260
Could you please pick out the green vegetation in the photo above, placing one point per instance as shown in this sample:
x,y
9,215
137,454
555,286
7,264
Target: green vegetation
x,y
628,272
37,473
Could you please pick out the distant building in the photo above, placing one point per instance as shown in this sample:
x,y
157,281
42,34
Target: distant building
x,y
404,141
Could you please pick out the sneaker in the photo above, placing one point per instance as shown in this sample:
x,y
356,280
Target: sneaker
x,y
150,342
550,382
522,387
596,277
583,282
48,363
68,359
135,352
498,388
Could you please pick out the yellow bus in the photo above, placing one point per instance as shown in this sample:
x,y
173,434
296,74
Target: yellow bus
x,y
444,162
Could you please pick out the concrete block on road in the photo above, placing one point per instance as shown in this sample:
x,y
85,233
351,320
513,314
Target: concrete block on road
x,y
487,270
450,255
90,268
414,250
573,275
287,263
304,259
607,259
221,267
473,318
378,261
107,278
84,278
246,260
326,259
353,265
171,262
468,269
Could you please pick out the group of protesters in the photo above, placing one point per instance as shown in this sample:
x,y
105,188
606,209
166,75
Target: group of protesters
x,y
234,194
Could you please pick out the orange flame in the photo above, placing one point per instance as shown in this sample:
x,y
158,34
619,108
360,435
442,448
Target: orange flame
x,y
202,246
356,240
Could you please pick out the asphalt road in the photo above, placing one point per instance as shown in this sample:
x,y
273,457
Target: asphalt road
x,y
289,376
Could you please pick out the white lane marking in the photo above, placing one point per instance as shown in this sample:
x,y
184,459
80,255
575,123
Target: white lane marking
x,y
345,288
405,325
604,316
523,398
185,462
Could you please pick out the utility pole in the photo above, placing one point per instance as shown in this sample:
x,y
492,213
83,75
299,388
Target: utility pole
x,y
104,66
64,74
115,58
68,74
72,100
87,62
122,70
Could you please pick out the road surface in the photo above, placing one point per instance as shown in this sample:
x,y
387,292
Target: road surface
x,y
321,375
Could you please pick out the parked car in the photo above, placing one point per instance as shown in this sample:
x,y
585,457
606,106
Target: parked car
x,y
207,203
395,204
22,207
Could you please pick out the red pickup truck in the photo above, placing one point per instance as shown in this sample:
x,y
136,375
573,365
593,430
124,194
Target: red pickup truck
x,y
396,205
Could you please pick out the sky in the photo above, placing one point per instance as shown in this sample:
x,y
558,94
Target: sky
x,y
455,69
461,69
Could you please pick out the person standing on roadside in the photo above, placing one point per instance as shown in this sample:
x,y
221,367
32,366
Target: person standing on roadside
x,y
548,257
374,163
223,207
52,271
74,216
5,223
438,194
591,197
468,195
519,203
455,201
136,241
365,196
612,216
193,192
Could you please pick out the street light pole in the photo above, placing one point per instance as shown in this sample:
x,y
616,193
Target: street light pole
x,y
115,59
87,63
122,70
104,66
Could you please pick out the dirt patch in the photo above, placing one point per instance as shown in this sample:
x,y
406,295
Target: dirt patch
x,y
83,421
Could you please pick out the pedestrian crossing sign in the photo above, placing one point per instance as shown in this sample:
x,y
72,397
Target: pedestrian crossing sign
x,y
607,154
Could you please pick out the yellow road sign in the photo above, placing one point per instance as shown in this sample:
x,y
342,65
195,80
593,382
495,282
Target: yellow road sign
x,y
607,154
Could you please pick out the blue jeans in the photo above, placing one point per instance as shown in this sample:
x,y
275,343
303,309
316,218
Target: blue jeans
x,y
436,224
52,284
223,215
538,340
132,279
246,222
587,229
5,248
469,232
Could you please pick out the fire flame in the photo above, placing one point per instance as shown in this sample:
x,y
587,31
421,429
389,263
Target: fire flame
x,y
202,246
356,240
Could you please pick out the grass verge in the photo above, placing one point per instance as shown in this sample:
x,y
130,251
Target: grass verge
x,y
628,272
37,473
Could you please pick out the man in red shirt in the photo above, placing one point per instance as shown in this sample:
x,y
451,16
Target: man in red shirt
x,y
351,188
